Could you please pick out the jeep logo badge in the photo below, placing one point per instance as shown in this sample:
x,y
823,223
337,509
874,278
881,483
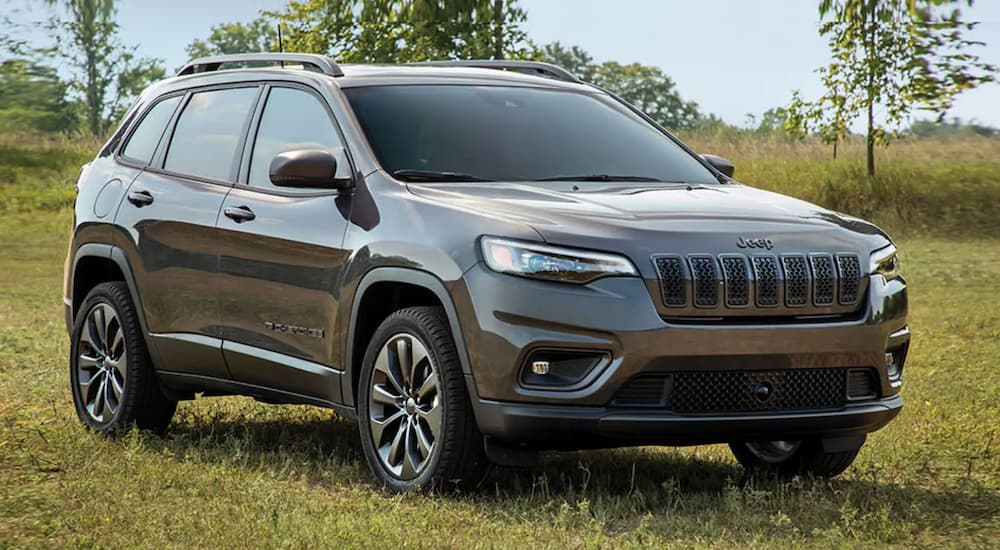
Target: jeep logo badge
x,y
755,243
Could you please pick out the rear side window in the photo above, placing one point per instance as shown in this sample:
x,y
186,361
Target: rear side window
x,y
208,133
293,119
147,134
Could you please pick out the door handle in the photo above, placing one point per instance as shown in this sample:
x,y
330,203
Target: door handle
x,y
239,214
140,198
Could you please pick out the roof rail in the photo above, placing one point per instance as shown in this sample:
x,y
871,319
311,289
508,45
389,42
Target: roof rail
x,y
536,68
314,62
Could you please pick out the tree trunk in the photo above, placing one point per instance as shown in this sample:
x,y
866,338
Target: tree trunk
x,y
497,29
835,142
870,140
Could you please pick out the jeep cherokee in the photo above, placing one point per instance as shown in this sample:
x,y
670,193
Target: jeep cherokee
x,y
474,263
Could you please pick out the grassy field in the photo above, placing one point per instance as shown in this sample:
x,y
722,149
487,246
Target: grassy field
x,y
232,472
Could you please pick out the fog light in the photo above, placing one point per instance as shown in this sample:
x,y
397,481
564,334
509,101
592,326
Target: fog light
x,y
894,360
540,367
890,365
562,369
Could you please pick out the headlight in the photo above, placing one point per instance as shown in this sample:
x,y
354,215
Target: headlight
x,y
553,263
885,262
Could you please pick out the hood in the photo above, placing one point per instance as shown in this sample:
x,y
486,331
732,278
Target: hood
x,y
644,220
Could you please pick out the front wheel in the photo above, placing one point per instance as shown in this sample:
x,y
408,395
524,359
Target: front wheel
x,y
417,428
789,458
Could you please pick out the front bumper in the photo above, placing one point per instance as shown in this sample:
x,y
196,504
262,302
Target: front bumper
x,y
504,319
570,428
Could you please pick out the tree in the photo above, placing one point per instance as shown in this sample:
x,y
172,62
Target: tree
x,y
890,57
259,35
32,96
108,73
647,88
397,31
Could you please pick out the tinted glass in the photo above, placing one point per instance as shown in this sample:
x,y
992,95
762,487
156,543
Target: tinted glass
x,y
208,132
147,135
516,134
292,120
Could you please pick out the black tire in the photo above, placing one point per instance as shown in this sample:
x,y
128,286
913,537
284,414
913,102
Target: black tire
x,y
140,402
808,459
457,448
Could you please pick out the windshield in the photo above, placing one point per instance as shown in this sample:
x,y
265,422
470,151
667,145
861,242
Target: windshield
x,y
506,133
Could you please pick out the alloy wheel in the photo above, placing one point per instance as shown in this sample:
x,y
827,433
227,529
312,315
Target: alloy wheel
x,y
102,363
404,406
774,452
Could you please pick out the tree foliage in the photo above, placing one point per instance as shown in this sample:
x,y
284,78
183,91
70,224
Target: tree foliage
x,y
259,35
107,72
890,57
646,87
32,96
397,31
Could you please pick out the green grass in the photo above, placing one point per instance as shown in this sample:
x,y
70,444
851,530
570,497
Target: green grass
x,y
232,472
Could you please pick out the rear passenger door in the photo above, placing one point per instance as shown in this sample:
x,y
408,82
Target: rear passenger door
x,y
281,255
168,223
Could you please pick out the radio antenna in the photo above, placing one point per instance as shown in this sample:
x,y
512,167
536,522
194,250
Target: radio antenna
x,y
281,48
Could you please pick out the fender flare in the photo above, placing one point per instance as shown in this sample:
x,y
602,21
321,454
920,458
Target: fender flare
x,y
413,277
118,256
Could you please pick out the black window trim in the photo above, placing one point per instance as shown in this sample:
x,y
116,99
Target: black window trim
x,y
247,155
159,157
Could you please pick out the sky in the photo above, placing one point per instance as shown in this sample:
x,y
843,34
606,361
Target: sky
x,y
732,57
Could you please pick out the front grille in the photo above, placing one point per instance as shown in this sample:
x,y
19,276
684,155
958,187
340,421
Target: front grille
x,y
706,286
648,390
671,272
760,284
734,272
765,269
707,392
849,273
796,280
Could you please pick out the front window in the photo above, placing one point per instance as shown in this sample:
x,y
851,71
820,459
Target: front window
x,y
507,133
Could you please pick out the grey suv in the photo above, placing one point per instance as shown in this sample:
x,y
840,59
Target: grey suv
x,y
476,263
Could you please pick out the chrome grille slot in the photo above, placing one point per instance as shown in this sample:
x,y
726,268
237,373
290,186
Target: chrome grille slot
x,y
796,274
734,271
706,285
824,279
765,270
849,272
672,284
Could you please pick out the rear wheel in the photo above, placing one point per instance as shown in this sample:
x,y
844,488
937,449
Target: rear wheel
x,y
417,428
789,458
113,383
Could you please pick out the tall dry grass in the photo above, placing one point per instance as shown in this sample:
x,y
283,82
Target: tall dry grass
x,y
940,187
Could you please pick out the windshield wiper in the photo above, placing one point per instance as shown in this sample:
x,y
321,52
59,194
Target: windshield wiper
x,y
600,177
431,175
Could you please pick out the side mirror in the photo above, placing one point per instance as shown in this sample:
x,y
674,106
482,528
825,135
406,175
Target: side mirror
x,y
720,164
312,168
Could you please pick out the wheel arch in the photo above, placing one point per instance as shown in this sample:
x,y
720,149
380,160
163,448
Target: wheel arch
x,y
96,263
389,289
